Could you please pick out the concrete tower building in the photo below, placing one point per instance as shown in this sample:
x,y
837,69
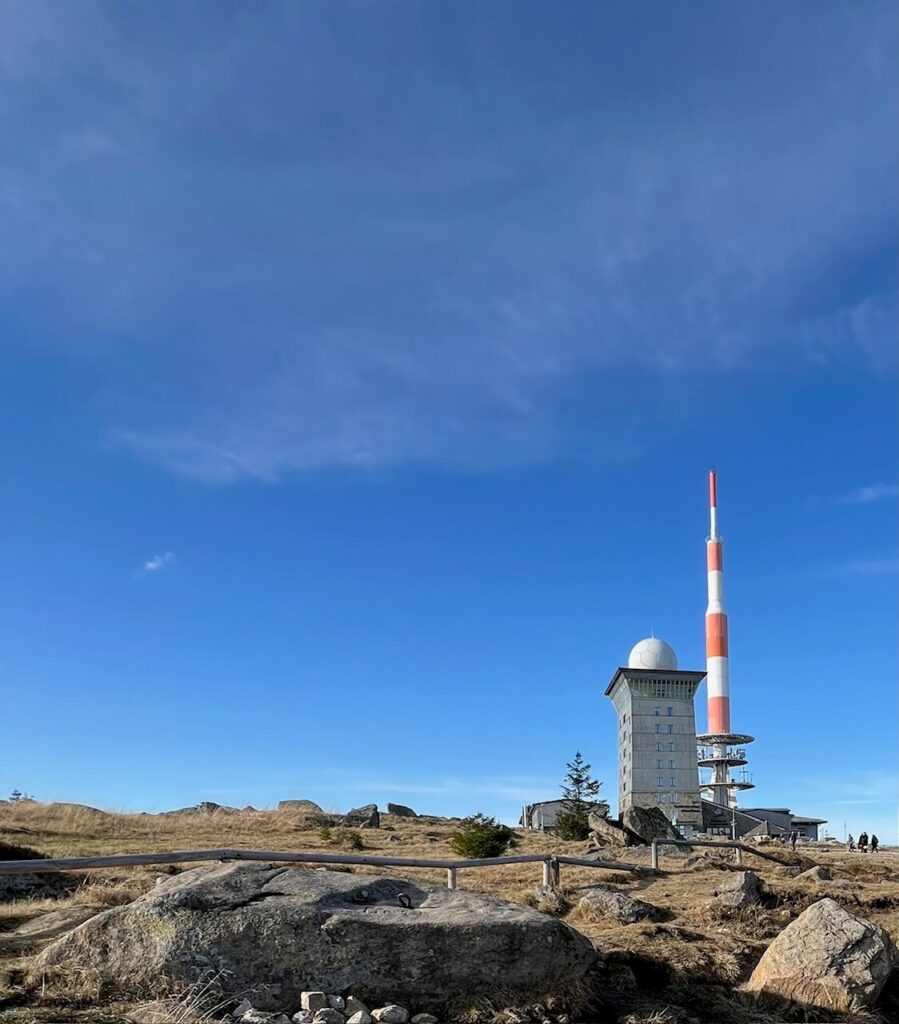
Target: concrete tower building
x,y
657,734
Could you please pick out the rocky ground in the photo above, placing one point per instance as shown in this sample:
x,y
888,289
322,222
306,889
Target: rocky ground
x,y
679,946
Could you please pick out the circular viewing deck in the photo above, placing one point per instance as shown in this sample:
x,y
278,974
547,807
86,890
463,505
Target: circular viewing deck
x,y
732,761
725,739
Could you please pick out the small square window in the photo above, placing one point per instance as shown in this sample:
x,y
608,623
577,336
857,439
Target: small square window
x,y
670,712
671,762
658,727
660,781
671,746
673,781
657,711
670,728
658,762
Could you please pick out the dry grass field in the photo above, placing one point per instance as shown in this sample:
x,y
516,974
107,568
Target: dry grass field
x,y
680,970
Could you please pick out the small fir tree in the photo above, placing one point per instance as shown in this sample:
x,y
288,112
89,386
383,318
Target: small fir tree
x,y
480,836
579,792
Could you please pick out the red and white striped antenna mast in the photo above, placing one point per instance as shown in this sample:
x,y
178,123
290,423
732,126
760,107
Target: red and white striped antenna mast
x,y
723,754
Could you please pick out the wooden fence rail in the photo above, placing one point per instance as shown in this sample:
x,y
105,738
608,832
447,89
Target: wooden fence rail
x,y
741,848
551,863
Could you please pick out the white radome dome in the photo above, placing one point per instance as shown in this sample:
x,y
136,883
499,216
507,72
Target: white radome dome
x,y
652,653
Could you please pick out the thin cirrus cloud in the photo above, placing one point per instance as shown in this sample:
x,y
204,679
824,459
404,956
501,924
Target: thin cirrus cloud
x,y
370,270
886,566
868,494
157,563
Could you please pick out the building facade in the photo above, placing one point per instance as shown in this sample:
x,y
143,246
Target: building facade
x,y
657,764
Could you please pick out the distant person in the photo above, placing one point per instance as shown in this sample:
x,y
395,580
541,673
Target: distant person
x,y
875,842
863,842
850,843
793,838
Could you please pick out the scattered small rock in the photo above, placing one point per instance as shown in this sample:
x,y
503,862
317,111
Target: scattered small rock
x,y
302,1017
359,1017
817,874
313,1001
424,1018
328,1016
337,1003
242,1007
354,1005
740,889
390,1014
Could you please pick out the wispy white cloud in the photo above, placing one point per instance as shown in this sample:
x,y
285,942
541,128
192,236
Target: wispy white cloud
x,y
157,563
868,494
888,566
445,287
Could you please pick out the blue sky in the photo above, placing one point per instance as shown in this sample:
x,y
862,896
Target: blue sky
x,y
362,365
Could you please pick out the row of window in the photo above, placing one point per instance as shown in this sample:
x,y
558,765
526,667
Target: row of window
x,y
661,782
661,746
662,798
658,711
659,727
671,763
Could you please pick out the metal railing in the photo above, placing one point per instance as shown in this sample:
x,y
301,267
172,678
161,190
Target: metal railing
x,y
551,862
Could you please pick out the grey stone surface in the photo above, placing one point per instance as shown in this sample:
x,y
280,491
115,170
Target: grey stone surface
x,y
337,1003
607,834
363,817
424,1018
391,1014
302,1017
401,811
620,906
827,958
242,1007
277,932
313,1001
359,1017
300,806
649,823
816,874
739,889
328,1016
354,1005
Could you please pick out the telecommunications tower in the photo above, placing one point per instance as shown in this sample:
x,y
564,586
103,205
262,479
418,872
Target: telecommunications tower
x,y
719,749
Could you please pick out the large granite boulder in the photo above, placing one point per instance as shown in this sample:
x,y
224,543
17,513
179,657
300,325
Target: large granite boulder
x,y
649,823
300,806
275,932
827,958
608,834
363,817
401,811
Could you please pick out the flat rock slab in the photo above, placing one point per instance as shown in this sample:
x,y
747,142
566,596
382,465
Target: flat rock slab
x,y
275,932
827,958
